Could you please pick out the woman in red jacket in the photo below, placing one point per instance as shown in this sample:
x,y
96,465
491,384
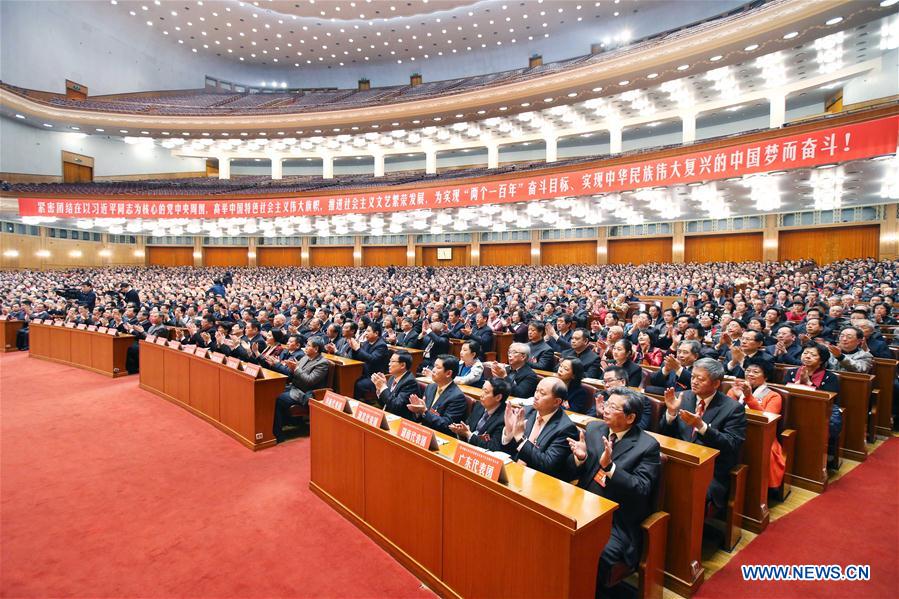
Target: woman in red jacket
x,y
755,394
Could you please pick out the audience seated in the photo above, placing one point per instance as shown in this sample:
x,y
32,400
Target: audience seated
x,y
307,374
486,421
755,394
443,403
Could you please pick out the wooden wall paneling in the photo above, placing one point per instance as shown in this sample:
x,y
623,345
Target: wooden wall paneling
x,y
731,247
330,256
170,256
828,244
505,254
639,251
234,256
274,256
567,252
384,255
461,256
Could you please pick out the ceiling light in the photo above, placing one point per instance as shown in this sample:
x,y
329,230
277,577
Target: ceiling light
x,y
47,125
791,35
751,47
652,75
833,21
683,67
20,116
716,58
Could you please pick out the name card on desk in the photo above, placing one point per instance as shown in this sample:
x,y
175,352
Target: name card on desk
x,y
92,327
254,370
102,329
232,362
112,331
174,344
150,339
81,327
161,341
338,402
479,462
201,352
70,325
188,348
371,416
217,357
417,435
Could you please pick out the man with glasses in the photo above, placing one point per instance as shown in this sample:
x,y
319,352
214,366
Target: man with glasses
x,y
614,379
616,459
675,371
521,377
706,416
750,351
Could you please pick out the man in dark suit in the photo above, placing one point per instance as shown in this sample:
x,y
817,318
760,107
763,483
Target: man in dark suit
x,y
375,354
787,350
581,349
154,327
435,341
311,372
706,416
538,436
482,333
408,336
521,377
485,424
675,372
129,294
292,351
750,351
87,297
617,460
542,357
444,403
394,392
455,324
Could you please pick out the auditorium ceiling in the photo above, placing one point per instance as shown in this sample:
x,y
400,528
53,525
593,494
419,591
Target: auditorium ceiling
x,y
832,189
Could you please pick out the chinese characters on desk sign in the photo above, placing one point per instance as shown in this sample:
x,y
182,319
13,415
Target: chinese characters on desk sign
x,y
253,370
92,327
217,357
112,331
201,352
162,341
337,402
70,325
371,416
187,348
824,145
417,435
481,463
82,327
232,363
174,344
100,329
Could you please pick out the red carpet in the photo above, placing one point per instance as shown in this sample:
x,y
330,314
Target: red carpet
x,y
109,491
855,522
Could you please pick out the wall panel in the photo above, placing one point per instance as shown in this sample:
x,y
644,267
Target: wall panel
x,y
427,256
828,244
505,254
639,251
568,252
732,247
170,256
216,256
266,256
330,256
384,255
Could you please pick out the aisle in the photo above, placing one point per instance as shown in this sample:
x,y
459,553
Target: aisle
x,y
109,491
856,522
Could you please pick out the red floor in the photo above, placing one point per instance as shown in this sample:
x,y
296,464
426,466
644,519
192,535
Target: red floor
x,y
110,491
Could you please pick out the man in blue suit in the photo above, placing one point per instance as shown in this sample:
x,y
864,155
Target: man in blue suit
x,y
444,403
375,354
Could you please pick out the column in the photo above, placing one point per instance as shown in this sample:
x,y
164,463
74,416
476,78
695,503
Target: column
x,y
778,109
475,249
224,167
410,250
327,166
535,247
277,167
198,250
769,238
304,252
357,250
688,120
615,140
251,251
677,243
379,165
492,155
552,149
889,233
43,252
431,162
140,250
602,245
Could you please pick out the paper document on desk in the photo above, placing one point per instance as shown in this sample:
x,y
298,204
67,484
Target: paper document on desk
x,y
521,401
391,417
579,418
441,441
506,458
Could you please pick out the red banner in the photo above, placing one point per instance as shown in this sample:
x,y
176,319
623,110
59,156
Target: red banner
x,y
824,146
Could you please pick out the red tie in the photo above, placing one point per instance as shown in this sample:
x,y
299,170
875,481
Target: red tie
x,y
700,410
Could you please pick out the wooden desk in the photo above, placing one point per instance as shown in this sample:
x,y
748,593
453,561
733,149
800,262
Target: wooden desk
x,y
432,515
809,416
346,372
418,355
90,350
761,432
501,343
855,398
230,400
687,474
10,329
884,375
